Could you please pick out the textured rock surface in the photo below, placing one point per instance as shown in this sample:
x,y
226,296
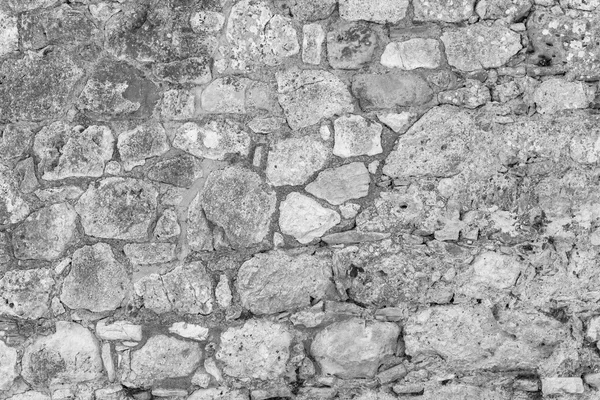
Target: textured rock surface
x,y
8,366
356,136
26,294
213,140
390,90
304,218
373,10
412,54
338,185
293,161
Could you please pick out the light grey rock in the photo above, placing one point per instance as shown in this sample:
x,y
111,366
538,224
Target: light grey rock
x,y
259,349
350,237
177,104
459,392
9,33
97,281
118,330
338,185
214,139
398,122
181,170
266,124
356,136
493,270
392,374
145,141
473,95
199,234
592,332
13,206
223,292
374,10
592,380
15,140
194,70
167,226
556,95
293,161
207,21
8,365
513,10
149,253
190,331
443,10
552,386
219,393
25,170
26,293
30,395
390,90
350,45
313,36
304,218
59,194
412,54
226,96
354,348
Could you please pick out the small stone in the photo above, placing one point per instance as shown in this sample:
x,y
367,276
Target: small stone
x,y
266,124
145,141
552,386
26,293
107,361
338,185
57,307
308,10
207,21
354,348
392,374
9,33
349,210
8,366
189,331
374,10
195,70
214,140
592,380
325,132
219,393
412,54
390,90
169,393
313,36
556,95
350,45
593,329
149,253
25,170
475,94
399,123
584,5
113,168
167,226
304,218
223,292
199,235
496,270
293,161
356,136
177,104
15,141
443,10
527,385
118,330
181,170
226,95
201,379
351,237
210,366
13,207
259,349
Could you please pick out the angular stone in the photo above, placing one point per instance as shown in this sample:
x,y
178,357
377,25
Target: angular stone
x,y
181,170
496,270
460,392
374,10
195,70
219,393
189,331
293,161
261,98
475,94
390,90
8,365
552,386
26,293
266,124
310,95
59,194
338,185
239,201
199,234
259,349
277,281
226,95
400,122
214,140
584,5
350,237
97,281
207,21
177,104
67,357
313,36
356,136
178,358
118,330
223,292
145,141
15,140
167,226
307,10
118,208
354,348
9,33
13,206
556,95
443,10
513,10
412,54
25,171
149,253
350,45
392,374
46,233
478,46
304,218
30,395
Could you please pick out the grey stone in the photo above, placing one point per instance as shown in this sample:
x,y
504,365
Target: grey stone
x,y
461,391
338,185
313,36
177,104
145,141
552,386
392,374
214,139
190,331
195,70
307,10
25,171
492,270
26,293
181,170
356,136
223,292
9,33
30,395
592,380
226,95
443,10
8,365
350,45
59,194
350,237
207,21
412,54
15,140
399,122
149,253
277,281
167,226
475,94
390,90
293,161
556,95
266,124
513,10
199,234
219,393
374,10
304,218
118,330
13,206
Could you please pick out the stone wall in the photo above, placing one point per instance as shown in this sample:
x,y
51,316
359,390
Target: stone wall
x,y
299,199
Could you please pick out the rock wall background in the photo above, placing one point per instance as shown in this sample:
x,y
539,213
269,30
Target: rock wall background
x,y
309,199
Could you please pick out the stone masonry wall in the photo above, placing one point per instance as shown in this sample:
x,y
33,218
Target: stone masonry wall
x,y
299,199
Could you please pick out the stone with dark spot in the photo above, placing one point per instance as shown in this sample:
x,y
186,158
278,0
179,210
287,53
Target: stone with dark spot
x,y
144,141
443,10
350,45
390,90
26,293
214,139
181,170
192,70
307,10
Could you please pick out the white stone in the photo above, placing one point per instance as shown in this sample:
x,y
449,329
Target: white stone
x,y
562,385
226,96
107,360
304,218
399,122
412,54
557,94
223,292
118,330
356,136
312,43
30,395
292,161
349,210
145,141
9,34
189,331
8,366
374,10
338,185
213,140
593,329
207,21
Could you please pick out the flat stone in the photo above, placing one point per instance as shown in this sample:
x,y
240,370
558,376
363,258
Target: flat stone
x,y
373,10
398,122
313,36
512,10
304,218
478,46
259,349
189,331
30,395
195,70
118,330
392,374
13,206
293,161
412,54
277,281
145,141
181,170
266,124
177,104
354,348
390,90
308,96
59,194
592,380
219,393
67,357
494,270
15,140
26,293
556,95
9,33
459,392
97,281
350,45
552,386
178,358
356,136
199,233
8,365
584,5
350,237
207,21
118,208
226,95
475,94
338,185
214,140
25,171
46,233
150,253
240,202
167,226
443,10
223,292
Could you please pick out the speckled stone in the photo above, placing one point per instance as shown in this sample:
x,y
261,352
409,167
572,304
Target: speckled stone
x,y
144,141
214,139
443,10
350,45
412,54
338,185
304,218
26,293
374,10
376,91
292,161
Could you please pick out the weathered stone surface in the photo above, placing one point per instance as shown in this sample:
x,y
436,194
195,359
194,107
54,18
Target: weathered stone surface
x,y
354,348
292,161
390,90
350,237
199,234
69,356
181,170
513,10
338,185
479,46
356,136
350,45
400,122
310,95
443,10
15,140
555,95
190,331
145,141
277,281
307,10
25,171
214,140
178,358
493,270
239,201
412,54
46,233
223,292
149,253
313,36
194,70
13,206
552,386
460,391
259,349
118,330
373,10
118,208
219,393
207,21
97,281
177,104
473,95
8,366
304,218
9,33
26,293
167,226
30,395
226,95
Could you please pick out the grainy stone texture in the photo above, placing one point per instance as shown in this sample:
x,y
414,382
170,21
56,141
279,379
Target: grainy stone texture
x,y
412,54
341,184
26,294
214,139
304,218
292,161
373,10
390,90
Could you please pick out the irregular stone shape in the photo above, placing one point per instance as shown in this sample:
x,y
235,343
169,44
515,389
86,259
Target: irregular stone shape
x,y
460,392
478,46
552,386
189,331
292,161
556,95
214,140
475,94
8,365
307,10
181,170
338,185
412,54
239,201
150,253
584,5
390,90
443,10
67,357
495,270
313,36
9,33
400,122
349,237
5,253
513,10
145,141
219,393
167,226
356,136
30,395
310,95
374,10
59,194
118,208
25,171
354,348
26,293
304,218
207,21
97,281
118,330
350,45
261,97
37,88
177,104
226,95
178,358
276,281
194,70
66,152
13,207
15,140
259,349
46,233
223,292
199,234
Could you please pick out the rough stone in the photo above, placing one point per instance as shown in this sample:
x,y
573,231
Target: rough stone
x,y
338,185
194,70
350,45
8,366
304,218
556,95
374,10
15,140
214,139
199,234
145,141
181,170
494,270
207,21
118,330
177,104
26,293
400,122
30,395
412,54
513,10
475,94
552,386
354,348
9,33
223,292
25,171
356,136
13,206
443,10
219,393
307,10
149,253
350,237
293,161
390,90
167,226
189,331
259,349
313,36
226,95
